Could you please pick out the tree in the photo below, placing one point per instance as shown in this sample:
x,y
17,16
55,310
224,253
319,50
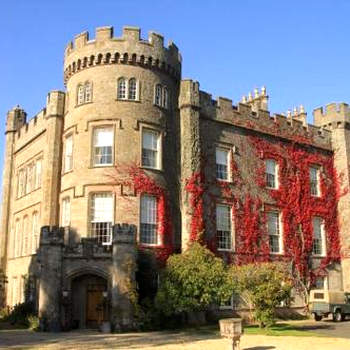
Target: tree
x,y
192,281
262,286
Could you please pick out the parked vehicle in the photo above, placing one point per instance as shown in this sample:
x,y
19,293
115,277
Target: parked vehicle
x,y
326,302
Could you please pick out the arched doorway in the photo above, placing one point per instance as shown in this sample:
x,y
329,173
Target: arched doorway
x,y
89,301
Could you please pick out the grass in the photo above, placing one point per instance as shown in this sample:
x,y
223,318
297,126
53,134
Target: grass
x,y
281,329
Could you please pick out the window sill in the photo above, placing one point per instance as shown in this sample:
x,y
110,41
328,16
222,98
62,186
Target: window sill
x,y
83,104
272,188
149,245
224,181
161,107
277,253
226,250
67,172
150,168
319,256
127,100
101,166
225,307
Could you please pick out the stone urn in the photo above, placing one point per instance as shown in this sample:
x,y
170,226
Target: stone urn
x,y
231,328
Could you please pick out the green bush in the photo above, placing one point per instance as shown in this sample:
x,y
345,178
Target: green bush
x,y
192,281
33,322
263,287
20,313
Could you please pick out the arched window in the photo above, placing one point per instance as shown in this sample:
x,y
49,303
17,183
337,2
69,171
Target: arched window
x,y
165,100
25,234
121,89
16,245
158,95
132,89
88,92
35,232
80,98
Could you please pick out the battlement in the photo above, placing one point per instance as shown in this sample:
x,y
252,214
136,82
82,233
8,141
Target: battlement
x,y
27,130
332,113
51,235
246,115
130,48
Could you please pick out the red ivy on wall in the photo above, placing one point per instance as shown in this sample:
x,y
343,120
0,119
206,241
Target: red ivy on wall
x,y
137,179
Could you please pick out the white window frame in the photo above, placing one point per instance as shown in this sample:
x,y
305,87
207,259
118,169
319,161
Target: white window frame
x,y
318,187
88,92
66,212
143,197
92,232
230,228
279,229
123,96
94,147
38,172
16,238
68,157
228,159
325,282
25,235
161,96
35,231
127,96
323,237
158,150
275,175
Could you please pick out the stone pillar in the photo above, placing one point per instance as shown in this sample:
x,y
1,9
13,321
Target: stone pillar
x,y
53,156
16,118
190,149
50,278
123,277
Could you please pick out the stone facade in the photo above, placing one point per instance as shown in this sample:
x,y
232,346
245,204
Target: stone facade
x,y
54,166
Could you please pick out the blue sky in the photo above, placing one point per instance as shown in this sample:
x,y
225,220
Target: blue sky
x,y
299,49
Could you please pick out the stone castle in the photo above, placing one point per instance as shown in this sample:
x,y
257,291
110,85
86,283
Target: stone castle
x,y
131,163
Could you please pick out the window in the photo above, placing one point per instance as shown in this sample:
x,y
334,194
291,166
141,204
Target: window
x,y
314,181
320,282
150,146
14,291
121,89
223,227
88,92
16,245
148,229
21,190
38,174
274,231
271,173
30,178
103,146
318,246
222,164
132,89
84,93
161,96
66,212
68,154
35,232
25,235
102,217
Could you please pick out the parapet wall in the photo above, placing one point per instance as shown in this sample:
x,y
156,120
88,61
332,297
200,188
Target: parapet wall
x,y
129,49
245,115
332,114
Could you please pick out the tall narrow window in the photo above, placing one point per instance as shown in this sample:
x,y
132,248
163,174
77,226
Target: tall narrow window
x,y
222,164
38,173
30,178
25,236
158,95
318,246
35,232
22,174
14,291
80,97
103,146
314,181
271,173
148,227
88,92
223,227
165,97
121,89
150,146
132,93
68,154
102,217
66,212
274,231
16,245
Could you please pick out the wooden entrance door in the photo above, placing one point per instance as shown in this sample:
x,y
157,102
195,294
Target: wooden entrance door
x,y
95,312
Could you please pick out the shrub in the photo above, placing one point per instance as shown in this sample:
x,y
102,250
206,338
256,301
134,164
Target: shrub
x,y
263,287
192,281
20,313
33,322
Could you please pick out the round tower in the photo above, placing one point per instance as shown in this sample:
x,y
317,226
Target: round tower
x,y
121,108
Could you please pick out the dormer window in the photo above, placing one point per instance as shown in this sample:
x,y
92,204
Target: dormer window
x,y
84,93
127,89
161,96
